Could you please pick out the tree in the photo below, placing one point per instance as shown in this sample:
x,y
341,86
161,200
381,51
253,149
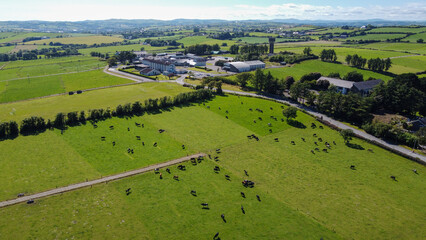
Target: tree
x,y
307,51
348,59
299,90
234,49
112,61
354,77
290,112
243,79
420,40
258,80
59,121
289,80
347,135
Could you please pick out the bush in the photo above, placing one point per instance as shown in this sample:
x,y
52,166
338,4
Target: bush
x,y
354,76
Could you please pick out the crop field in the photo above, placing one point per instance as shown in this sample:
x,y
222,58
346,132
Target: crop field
x,y
27,47
401,47
89,40
6,49
408,65
415,37
302,195
15,90
379,37
105,98
399,30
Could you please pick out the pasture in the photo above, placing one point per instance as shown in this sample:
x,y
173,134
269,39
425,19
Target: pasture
x,y
6,49
303,195
415,37
188,41
398,30
112,49
412,64
379,37
89,40
105,98
400,47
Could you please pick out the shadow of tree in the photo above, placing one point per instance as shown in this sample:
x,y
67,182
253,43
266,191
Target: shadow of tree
x,y
354,146
296,124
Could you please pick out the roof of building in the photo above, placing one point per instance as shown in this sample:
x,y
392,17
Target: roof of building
x,y
256,62
338,82
239,65
159,61
147,70
367,84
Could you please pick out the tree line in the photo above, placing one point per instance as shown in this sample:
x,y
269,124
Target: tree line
x,y
34,54
35,125
202,49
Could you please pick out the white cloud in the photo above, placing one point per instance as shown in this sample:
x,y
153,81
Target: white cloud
x,y
409,11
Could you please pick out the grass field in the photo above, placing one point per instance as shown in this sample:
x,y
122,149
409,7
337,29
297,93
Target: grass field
x,y
303,195
415,37
408,64
131,47
402,47
334,30
89,40
13,37
111,97
379,37
189,41
6,49
262,34
325,68
43,86
43,67
399,30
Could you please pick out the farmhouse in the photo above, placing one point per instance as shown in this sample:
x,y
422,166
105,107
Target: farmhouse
x,y
344,86
243,66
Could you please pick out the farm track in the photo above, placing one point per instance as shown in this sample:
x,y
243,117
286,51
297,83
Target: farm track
x,y
97,181
405,56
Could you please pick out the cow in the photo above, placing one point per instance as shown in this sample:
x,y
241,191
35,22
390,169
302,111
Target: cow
x,y
176,177
227,177
246,173
223,217
258,198
168,170
183,146
293,143
30,201
312,151
194,193
21,195
303,139
155,144
353,167
226,117
393,178
215,237
276,140
415,171
242,209
243,195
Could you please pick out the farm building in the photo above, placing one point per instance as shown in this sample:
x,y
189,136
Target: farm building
x,y
344,86
150,72
244,66
161,65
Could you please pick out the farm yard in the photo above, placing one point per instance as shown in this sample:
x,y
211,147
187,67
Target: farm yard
x,y
283,172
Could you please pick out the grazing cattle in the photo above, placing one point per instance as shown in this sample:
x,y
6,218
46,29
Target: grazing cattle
x,y
21,195
269,124
128,129
393,178
228,177
95,126
210,156
113,143
320,139
194,193
219,108
258,198
156,170
260,118
137,124
30,201
176,177
317,149
250,109
276,140
246,173
282,119
303,139
321,127
271,108
208,107
292,142
242,103
128,190
325,150
248,183
143,125
249,136
181,167
315,135
270,130
226,117
316,143
313,125
217,234
334,142
218,150
312,151
183,146
223,217
168,170
204,204
216,169
216,158
243,195
143,143
254,121
155,144
138,137
111,127
161,130
353,167
226,111
242,209
415,171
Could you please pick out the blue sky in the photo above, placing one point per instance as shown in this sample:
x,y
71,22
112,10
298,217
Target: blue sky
x,y
74,10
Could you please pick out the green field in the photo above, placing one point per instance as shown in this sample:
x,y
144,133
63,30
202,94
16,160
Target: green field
x,y
399,29
189,41
15,90
89,40
6,49
304,195
111,97
408,65
415,37
379,37
335,31
401,47
131,47
13,37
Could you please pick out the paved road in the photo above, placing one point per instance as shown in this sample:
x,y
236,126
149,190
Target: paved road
x,y
115,72
97,181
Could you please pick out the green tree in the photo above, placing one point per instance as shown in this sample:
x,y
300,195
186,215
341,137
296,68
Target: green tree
x,y
354,76
307,51
290,112
243,79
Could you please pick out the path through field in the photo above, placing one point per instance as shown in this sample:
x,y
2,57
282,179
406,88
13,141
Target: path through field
x,y
97,181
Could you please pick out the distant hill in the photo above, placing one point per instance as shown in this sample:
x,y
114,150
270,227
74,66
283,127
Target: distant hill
x,y
119,25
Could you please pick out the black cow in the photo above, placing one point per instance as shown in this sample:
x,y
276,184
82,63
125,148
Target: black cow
x,y
227,177
242,209
30,201
194,193
353,167
168,170
243,195
393,178
215,237
155,144
258,198
246,173
223,217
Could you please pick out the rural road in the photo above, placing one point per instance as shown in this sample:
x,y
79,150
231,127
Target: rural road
x,y
97,181
362,134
